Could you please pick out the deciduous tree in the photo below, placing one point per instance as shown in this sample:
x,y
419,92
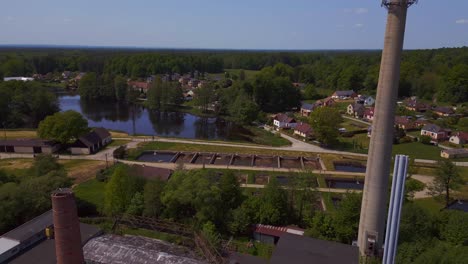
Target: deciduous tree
x,y
63,127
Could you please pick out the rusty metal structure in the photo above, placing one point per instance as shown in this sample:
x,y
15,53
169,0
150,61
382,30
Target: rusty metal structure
x,y
374,201
68,248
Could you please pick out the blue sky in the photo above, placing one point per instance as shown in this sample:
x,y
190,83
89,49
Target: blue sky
x,y
237,24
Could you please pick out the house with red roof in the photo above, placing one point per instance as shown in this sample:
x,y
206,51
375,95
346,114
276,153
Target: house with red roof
x,y
142,87
435,132
369,113
271,234
404,122
443,111
459,138
303,130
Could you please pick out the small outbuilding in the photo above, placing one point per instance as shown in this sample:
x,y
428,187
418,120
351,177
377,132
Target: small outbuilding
x,y
91,142
454,153
29,146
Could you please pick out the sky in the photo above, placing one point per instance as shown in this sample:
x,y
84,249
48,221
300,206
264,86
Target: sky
x,y
228,24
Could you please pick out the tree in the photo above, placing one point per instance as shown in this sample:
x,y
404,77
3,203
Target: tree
x,y
447,179
230,191
121,88
455,227
346,219
425,139
416,224
44,164
243,110
152,198
63,127
242,75
120,191
310,92
136,205
274,207
211,235
325,121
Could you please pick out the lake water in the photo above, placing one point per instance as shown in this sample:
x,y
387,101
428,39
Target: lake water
x,y
137,120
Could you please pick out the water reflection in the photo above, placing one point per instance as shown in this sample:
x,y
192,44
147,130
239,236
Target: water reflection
x,y
135,119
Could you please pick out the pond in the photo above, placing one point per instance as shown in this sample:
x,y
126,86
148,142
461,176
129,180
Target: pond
x,y
349,167
156,156
356,184
137,120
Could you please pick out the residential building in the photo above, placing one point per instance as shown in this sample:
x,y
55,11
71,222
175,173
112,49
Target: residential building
x,y
421,123
435,132
66,74
142,87
282,121
454,153
365,100
193,83
325,102
184,80
404,122
459,138
344,95
91,142
29,146
303,130
369,113
414,105
306,109
443,111
356,110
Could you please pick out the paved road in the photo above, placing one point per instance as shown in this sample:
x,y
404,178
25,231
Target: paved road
x,y
426,180
357,120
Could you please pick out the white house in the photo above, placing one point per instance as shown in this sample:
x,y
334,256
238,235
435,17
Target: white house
x,y
91,142
283,121
459,138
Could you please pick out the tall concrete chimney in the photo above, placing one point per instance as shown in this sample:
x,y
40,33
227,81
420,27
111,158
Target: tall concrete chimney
x,y
374,201
68,249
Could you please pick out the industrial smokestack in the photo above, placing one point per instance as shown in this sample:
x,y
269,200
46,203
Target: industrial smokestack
x,y
68,249
374,201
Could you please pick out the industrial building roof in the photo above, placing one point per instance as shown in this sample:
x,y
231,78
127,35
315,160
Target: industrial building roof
x,y
44,252
7,244
135,249
301,249
30,228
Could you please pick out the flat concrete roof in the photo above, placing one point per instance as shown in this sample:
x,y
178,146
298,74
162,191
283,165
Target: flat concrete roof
x,y
301,249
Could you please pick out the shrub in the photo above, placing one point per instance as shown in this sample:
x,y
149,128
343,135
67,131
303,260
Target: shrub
x,y
425,139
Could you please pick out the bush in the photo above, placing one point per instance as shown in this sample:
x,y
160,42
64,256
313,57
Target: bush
x,y
425,139
120,152
406,139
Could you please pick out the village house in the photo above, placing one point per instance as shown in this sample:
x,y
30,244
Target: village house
x,y
356,110
454,153
184,80
271,234
201,84
142,87
193,83
29,146
303,130
282,121
91,142
66,74
414,105
344,95
325,102
306,109
459,138
369,113
443,111
421,123
404,122
365,100
435,132
188,96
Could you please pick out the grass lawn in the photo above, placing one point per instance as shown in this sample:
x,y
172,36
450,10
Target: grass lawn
x,y
358,143
262,137
430,204
175,239
249,74
417,150
118,142
14,134
92,192
82,170
259,249
16,167
352,125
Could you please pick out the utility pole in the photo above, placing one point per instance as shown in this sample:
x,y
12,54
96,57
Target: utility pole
x,y
374,201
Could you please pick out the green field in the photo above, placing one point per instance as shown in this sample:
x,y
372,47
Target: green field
x,y
417,150
92,192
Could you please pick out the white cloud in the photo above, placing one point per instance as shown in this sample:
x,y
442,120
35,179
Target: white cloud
x,y
358,25
357,11
462,21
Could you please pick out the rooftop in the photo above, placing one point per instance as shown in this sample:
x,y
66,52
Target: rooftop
x,y
301,249
30,228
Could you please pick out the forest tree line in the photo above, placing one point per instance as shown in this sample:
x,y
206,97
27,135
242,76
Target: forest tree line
x,y
429,74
